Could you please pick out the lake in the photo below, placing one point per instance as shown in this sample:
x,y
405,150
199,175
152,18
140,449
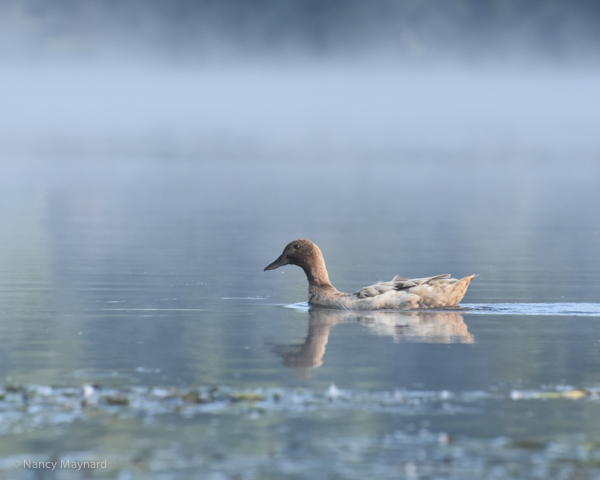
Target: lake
x,y
138,327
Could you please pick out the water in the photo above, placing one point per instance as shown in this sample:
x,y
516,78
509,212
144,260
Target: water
x,y
137,325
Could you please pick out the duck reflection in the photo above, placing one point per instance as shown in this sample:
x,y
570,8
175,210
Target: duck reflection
x,y
423,327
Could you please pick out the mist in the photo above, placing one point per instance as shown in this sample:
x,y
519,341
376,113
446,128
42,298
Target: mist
x,y
206,79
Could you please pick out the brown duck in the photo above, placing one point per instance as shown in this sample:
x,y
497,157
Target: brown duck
x,y
400,293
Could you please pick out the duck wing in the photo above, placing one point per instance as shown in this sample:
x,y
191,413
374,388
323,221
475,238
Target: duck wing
x,y
397,283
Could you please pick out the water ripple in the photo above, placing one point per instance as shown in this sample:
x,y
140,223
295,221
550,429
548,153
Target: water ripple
x,y
561,309
570,309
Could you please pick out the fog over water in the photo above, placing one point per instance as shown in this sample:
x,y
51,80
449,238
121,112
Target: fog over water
x,y
259,78
294,109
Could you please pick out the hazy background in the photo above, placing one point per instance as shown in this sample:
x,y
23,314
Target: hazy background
x,y
237,78
201,30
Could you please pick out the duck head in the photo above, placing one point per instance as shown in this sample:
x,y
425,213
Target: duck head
x,y
303,253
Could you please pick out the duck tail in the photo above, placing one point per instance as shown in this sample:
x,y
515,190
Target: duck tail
x,y
459,289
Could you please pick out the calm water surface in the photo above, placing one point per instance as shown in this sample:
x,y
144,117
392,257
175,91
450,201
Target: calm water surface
x,y
137,324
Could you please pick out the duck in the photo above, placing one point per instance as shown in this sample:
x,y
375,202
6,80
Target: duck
x,y
439,291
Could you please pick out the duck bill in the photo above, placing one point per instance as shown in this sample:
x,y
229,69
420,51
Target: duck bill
x,y
280,262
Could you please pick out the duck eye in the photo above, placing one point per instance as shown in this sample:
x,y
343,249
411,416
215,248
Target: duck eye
x,y
296,247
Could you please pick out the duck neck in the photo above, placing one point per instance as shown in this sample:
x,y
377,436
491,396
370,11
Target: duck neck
x,y
317,276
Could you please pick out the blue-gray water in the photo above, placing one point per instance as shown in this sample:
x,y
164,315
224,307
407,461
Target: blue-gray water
x,y
144,277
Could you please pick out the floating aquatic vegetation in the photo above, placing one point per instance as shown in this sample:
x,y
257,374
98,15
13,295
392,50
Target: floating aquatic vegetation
x,y
30,406
397,454
248,397
404,451
568,393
